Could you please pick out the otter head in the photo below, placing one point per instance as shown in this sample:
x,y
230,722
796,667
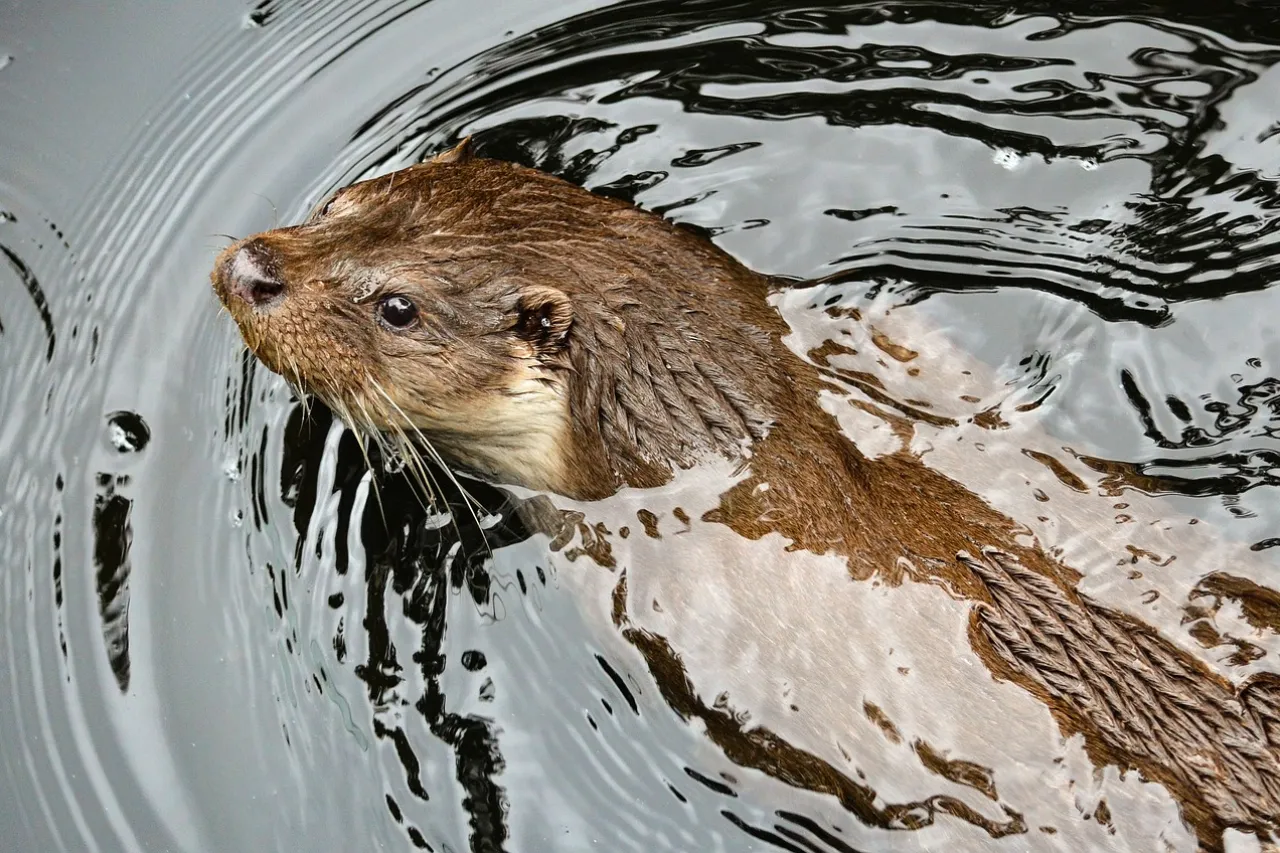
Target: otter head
x,y
526,329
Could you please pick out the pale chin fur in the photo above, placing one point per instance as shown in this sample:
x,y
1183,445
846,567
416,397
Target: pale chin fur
x,y
519,438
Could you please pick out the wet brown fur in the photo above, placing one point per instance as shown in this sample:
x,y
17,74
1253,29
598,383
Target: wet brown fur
x,y
663,349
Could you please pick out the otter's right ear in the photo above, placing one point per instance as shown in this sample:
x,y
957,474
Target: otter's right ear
x,y
463,152
545,315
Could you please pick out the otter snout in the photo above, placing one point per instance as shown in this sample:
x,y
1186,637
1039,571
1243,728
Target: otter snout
x,y
251,273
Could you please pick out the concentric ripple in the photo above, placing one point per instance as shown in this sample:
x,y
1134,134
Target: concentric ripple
x,y
222,631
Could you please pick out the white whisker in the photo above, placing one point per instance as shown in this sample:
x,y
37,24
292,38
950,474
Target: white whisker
x,y
468,500
361,436
299,384
412,459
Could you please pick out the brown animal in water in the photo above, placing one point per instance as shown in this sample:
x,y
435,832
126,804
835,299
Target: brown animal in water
x,y
538,335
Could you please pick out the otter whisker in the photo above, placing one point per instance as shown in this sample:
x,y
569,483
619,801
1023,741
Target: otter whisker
x,y
361,435
403,449
412,458
362,432
421,472
299,386
274,213
467,499
426,443
359,432
408,454
422,476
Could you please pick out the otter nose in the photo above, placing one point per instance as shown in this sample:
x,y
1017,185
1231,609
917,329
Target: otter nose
x,y
253,274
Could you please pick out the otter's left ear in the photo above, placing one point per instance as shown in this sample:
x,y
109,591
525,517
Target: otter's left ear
x,y
463,152
545,315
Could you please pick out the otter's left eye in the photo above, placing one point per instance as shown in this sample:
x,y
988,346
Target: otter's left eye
x,y
397,311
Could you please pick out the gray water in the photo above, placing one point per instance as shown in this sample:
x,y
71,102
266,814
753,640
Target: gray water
x,y
201,650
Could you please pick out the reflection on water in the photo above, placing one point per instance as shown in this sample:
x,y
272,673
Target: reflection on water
x,y
1043,246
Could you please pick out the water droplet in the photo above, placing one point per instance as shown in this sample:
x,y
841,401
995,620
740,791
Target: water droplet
x,y
5,60
1088,163
127,431
237,517
1006,158
231,469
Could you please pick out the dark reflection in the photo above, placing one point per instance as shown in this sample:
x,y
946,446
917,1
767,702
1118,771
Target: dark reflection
x,y
1224,475
411,567
784,837
1253,414
112,539
1132,267
1219,449
41,302
755,747
262,13
129,432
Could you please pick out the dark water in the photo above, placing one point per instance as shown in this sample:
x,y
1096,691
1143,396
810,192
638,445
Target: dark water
x,y
216,634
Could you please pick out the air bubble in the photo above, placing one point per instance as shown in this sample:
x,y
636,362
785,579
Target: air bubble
x,y
127,431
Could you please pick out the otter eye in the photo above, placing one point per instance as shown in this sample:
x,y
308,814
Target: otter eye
x,y
397,311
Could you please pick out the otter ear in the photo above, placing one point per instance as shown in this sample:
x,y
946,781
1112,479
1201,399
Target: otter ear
x,y
543,320
463,152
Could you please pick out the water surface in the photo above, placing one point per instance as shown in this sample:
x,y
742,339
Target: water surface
x,y
219,634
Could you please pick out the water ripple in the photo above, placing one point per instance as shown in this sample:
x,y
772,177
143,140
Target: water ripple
x,y
236,636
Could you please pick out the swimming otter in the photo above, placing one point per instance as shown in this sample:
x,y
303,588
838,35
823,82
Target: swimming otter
x,y
538,335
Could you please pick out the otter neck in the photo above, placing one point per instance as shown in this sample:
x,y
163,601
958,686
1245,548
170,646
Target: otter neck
x,y
672,394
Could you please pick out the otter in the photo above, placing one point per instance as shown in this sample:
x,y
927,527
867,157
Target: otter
x,y
536,335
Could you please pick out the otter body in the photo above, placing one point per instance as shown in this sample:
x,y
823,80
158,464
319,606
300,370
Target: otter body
x,y
539,336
